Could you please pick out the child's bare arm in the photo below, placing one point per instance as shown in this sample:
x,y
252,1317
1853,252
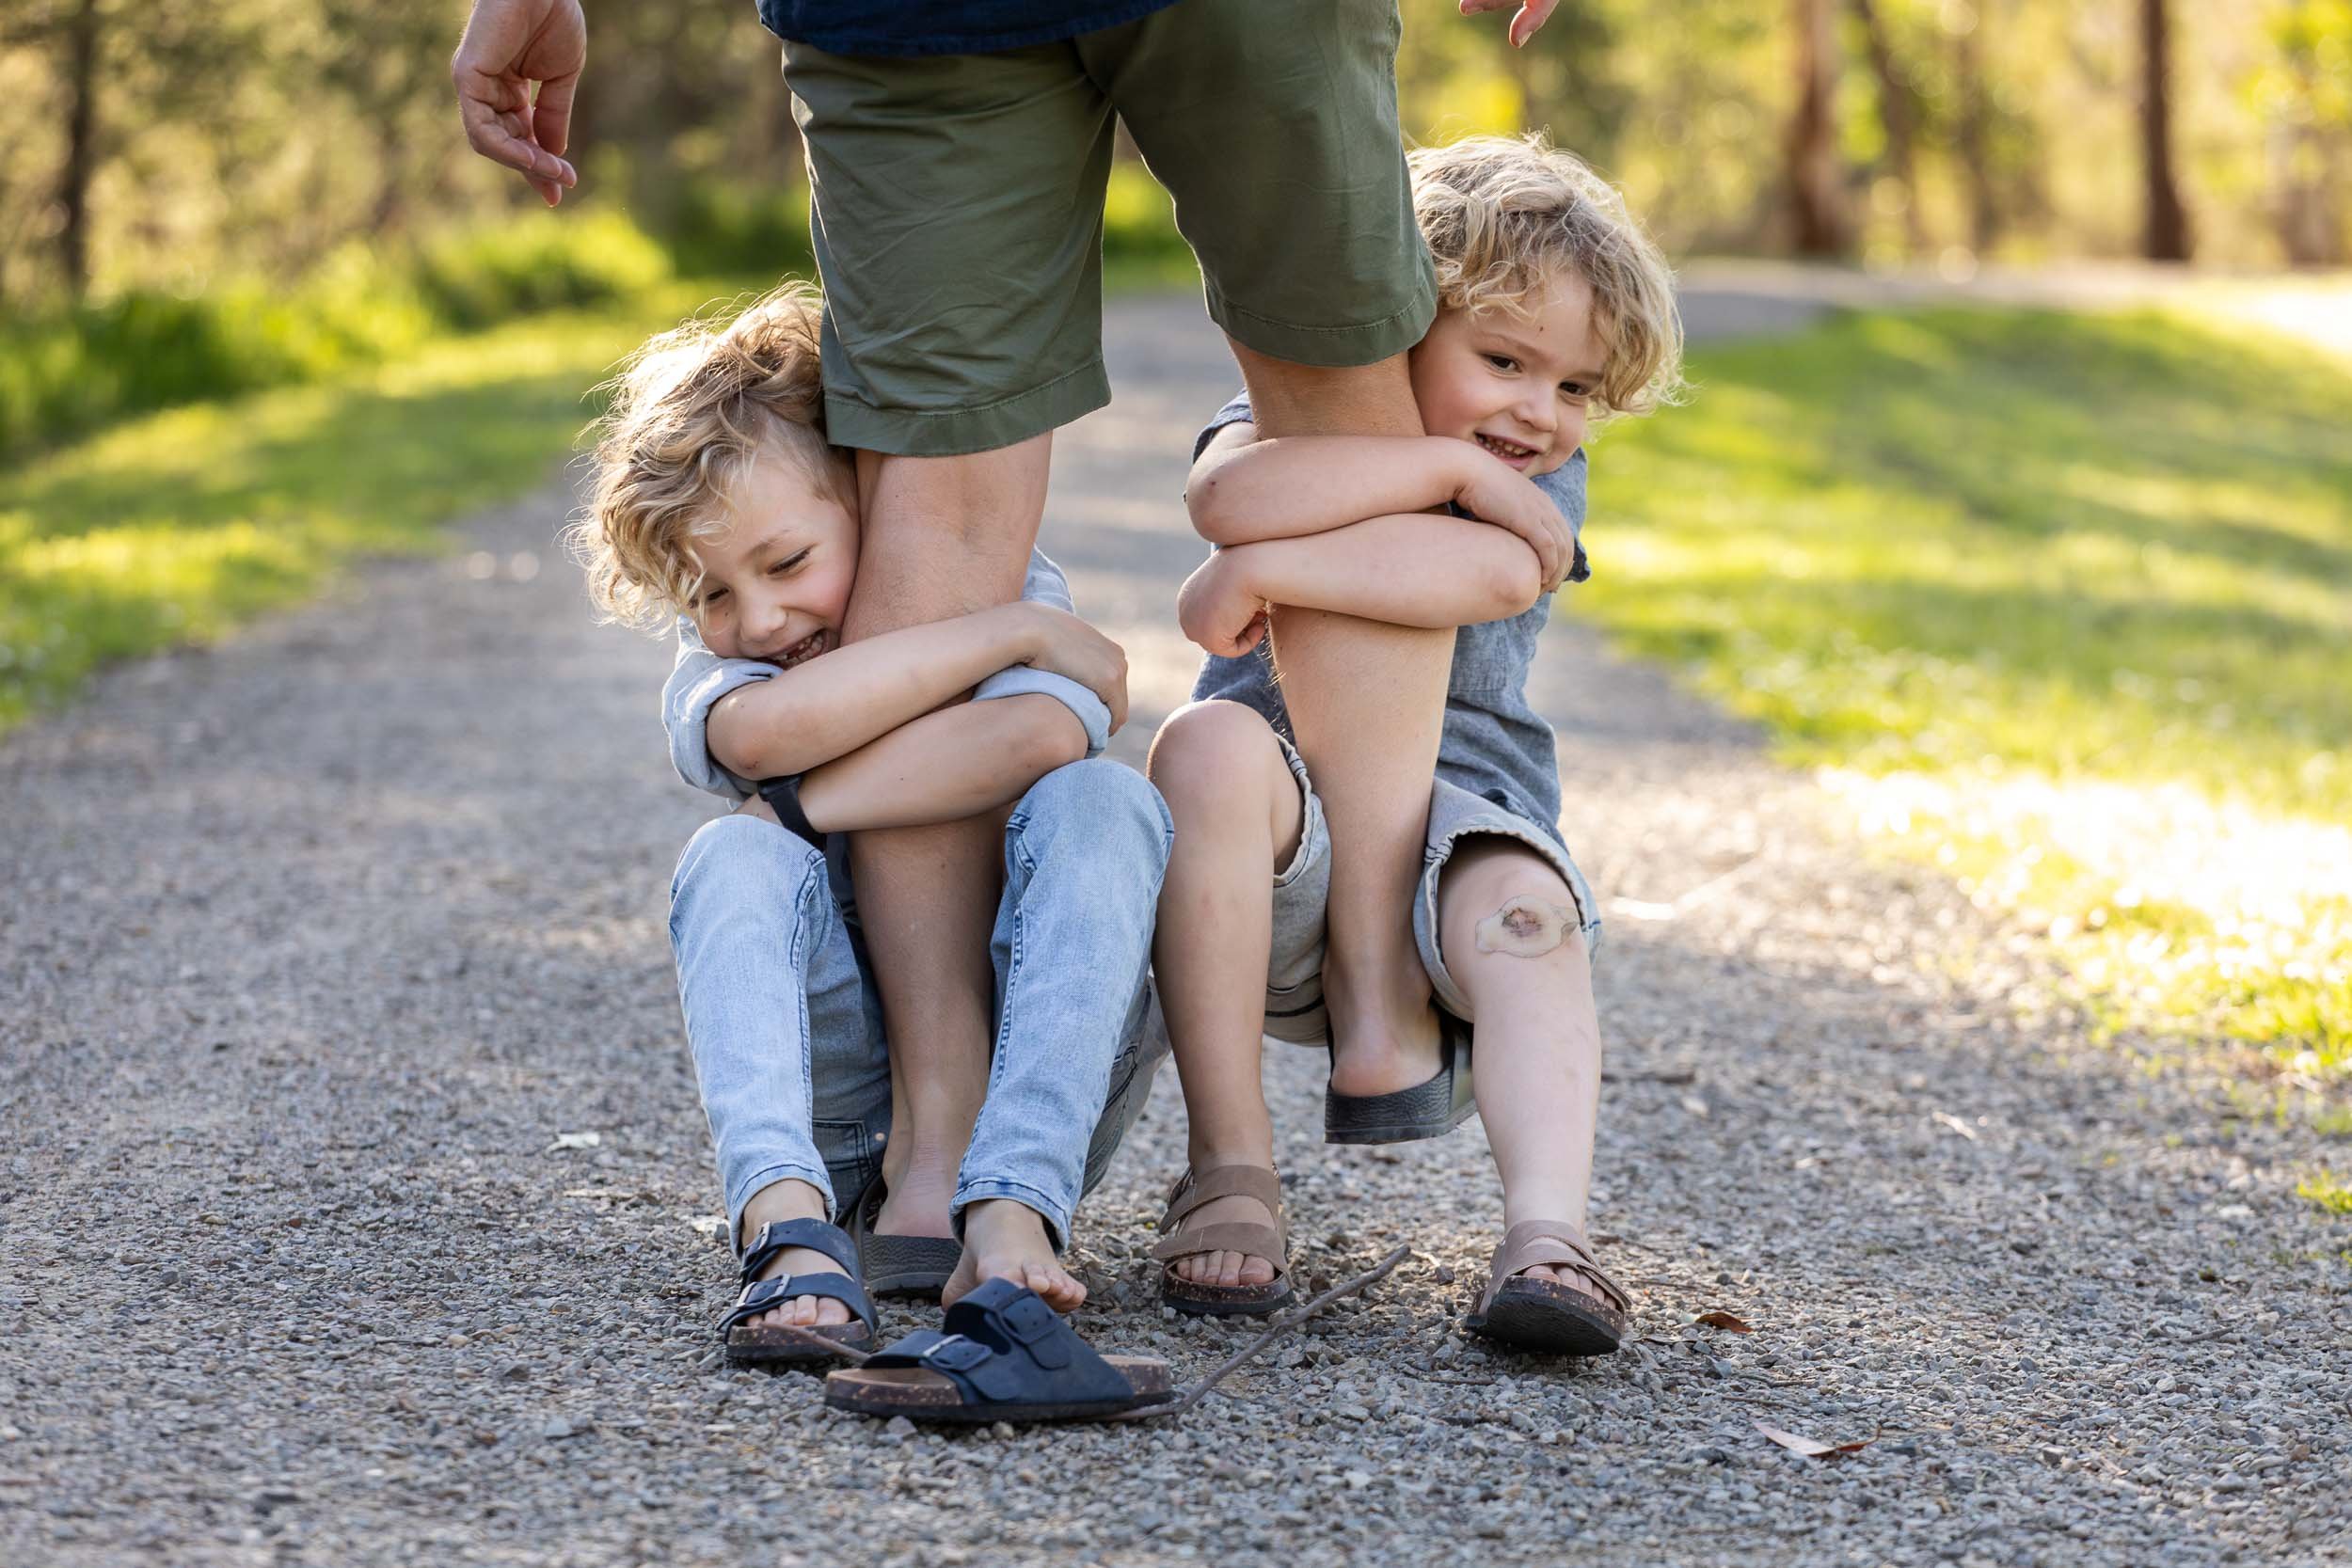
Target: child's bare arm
x,y
832,704
944,767
1409,570
1246,491
1243,489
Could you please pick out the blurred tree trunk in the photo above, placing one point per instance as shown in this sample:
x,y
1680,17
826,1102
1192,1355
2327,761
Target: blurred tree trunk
x,y
2168,219
1817,204
1895,119
81,136
1976,153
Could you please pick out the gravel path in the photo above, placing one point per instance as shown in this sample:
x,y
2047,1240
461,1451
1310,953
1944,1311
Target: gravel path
x,y
312,946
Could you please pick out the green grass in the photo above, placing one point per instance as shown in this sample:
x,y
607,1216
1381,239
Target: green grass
x,y
173,528
2080,585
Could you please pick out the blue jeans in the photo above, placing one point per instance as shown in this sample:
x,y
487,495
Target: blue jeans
x,y
786,1031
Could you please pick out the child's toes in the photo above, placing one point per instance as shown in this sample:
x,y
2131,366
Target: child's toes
x,y
1255,1271
1229,1269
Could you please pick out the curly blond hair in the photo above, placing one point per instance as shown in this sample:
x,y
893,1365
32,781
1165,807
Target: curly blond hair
x,y
1504,214
689,409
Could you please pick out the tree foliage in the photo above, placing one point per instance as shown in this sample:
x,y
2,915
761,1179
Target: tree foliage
x,y
167,143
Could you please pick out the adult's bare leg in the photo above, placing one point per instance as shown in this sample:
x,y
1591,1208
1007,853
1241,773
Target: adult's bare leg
x,y
943,536
1366,701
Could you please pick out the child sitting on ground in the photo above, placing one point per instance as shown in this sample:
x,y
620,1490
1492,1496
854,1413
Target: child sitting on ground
x,y
1555,311
719,503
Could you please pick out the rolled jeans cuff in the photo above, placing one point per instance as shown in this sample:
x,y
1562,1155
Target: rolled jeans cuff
x,y
985,1189
1021,681
741,1191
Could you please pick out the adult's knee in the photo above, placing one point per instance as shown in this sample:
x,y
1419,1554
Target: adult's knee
x,y
1109,806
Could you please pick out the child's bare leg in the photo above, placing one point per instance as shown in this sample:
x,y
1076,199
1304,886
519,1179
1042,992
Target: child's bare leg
x,y
1238,818
1508,927
793,1200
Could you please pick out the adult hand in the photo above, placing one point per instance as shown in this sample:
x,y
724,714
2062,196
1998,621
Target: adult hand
x,y
1494,492
1062,643
1531,15
509,45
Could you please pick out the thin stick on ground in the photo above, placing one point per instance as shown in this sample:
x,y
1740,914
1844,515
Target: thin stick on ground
x,y
1280,1328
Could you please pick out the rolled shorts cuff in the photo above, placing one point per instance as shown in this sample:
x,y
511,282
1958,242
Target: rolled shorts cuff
x,y
1455,814
1330,347
1295,1011
743,1189
982,427
986,1188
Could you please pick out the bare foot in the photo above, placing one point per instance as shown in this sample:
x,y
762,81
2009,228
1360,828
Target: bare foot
x,y
1004,1240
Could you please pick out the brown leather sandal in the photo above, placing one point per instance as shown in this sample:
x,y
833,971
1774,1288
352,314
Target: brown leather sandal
x,y
1270,1242
1548,1314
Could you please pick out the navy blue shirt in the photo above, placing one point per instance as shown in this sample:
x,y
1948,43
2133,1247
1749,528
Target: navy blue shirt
x,y
905,28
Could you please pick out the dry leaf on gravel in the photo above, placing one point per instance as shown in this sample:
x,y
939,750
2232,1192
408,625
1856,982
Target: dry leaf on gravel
x,y
1720,1318
1945,1118
573,1140
1808,1447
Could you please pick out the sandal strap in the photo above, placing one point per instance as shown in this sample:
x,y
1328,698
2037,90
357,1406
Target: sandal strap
x,y
1554,1244
1242,1236
812,1235
1255,1237
766,1295
1195,1188
1004,1346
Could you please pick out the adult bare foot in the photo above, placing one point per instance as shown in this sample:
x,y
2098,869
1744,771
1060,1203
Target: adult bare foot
x,y
1005,1240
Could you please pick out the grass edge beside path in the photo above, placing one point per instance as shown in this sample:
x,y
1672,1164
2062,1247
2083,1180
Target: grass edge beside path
x,y
175,528
2022,586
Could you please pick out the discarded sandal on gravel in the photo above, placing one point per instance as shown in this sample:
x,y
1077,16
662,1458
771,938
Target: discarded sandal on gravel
x,y
749,1346
1270,1241
917,1266
1003,1356
1429,1109
1548,1314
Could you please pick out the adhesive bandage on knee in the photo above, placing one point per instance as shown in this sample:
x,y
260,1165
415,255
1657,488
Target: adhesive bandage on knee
x,y
1525,927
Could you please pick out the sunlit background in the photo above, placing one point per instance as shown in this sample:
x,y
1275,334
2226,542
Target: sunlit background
x,y
2042,559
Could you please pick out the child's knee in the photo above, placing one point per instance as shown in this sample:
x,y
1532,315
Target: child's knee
x,y
1506,903
744,856
1213,751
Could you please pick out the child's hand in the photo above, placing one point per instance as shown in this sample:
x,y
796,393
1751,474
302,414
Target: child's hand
x,y
1059,642
1494,492
1217,608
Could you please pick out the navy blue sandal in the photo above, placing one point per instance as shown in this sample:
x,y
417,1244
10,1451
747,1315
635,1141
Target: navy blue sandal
x,y
1004,1357
773,1347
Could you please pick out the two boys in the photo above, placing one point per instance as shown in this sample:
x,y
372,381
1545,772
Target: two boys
x,y
1555,311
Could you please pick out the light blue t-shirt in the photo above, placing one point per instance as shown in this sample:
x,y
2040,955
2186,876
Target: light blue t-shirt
x,y
700,677
1493,744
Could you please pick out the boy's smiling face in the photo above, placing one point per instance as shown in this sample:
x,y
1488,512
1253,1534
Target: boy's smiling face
x,y
776,582
1518,385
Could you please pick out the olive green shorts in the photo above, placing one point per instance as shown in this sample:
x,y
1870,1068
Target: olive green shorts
x,y
958,209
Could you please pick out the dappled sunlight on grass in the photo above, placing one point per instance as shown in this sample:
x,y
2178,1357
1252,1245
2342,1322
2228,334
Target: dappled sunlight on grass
x,y
2067,599
176,526
2169,904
